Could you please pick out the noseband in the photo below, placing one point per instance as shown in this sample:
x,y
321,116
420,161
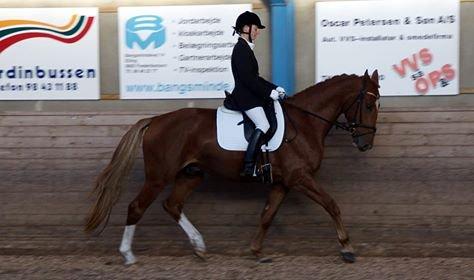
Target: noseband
x,y
350,127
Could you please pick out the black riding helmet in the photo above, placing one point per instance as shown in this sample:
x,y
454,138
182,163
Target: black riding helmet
x,y
247,18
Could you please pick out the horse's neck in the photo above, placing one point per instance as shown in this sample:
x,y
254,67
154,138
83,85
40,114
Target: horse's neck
x,y
327,103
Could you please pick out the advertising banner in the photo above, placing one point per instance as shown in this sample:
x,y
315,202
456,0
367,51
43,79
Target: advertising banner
x,y
413,44
49,53
170,52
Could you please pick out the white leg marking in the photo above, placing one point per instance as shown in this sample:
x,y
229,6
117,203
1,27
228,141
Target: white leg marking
x,y
193,234
126,245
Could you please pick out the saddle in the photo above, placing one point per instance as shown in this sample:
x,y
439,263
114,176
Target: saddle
x,y
264,167
249,126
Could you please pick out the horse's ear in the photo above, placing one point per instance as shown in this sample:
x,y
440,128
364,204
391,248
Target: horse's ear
x,y
375,77
366,78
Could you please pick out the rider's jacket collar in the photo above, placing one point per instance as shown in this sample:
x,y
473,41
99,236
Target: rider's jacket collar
x,y
251,45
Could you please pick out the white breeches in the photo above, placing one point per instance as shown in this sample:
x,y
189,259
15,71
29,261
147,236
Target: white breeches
x,y
257,115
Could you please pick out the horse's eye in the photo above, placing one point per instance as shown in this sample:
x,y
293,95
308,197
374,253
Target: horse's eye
x,y
370,107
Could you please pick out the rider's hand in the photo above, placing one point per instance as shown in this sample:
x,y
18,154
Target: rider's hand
x,y
274,95
281,92
280,89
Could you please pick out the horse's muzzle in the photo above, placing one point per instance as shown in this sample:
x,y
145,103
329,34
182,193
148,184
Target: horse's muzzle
x,y
366,147
362,148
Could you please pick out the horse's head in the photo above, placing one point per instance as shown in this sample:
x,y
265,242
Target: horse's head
x,y
361,113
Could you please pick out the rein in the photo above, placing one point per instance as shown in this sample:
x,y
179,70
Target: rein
x,y
349,127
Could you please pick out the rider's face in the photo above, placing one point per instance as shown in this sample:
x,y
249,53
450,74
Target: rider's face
x,y
255,31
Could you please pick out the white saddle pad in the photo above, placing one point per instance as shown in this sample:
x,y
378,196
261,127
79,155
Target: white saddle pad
x,y
230,136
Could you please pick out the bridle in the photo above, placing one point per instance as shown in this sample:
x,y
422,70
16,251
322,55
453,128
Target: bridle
x,y
350,127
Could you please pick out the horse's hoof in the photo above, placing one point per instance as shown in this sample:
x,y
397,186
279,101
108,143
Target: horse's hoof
x,y
201,255
260,257
130,262
265,260
348,257
129,257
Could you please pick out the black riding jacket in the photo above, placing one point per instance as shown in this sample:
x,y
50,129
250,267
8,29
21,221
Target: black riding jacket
x,y
250,89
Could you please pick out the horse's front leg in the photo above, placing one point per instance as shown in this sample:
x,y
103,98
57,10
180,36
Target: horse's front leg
x,y
307,185
276,196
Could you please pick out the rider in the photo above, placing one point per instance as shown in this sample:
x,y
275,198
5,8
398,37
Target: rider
x,y
251,92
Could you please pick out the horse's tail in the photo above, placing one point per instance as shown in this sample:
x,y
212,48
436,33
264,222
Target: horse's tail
x,y
108,185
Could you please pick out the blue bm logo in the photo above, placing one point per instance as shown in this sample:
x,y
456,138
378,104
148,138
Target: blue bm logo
x,y
145,23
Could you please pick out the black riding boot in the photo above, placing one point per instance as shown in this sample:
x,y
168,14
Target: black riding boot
x,y
251,154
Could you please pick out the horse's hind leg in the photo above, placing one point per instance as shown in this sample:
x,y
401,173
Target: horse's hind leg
x,y
136,209
274,200
185,183
308,186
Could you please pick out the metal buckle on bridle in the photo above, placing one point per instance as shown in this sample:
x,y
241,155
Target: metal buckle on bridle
x,y
353,129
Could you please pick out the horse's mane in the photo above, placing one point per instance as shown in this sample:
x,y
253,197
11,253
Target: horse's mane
x,y
321,86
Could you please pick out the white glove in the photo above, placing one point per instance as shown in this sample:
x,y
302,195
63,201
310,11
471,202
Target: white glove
x,y
274,95
280,89
281,92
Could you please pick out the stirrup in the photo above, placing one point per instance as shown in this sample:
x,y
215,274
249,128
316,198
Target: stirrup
x,y
246,174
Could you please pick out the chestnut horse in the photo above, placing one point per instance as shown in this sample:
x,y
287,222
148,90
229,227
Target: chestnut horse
x,y
180,146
